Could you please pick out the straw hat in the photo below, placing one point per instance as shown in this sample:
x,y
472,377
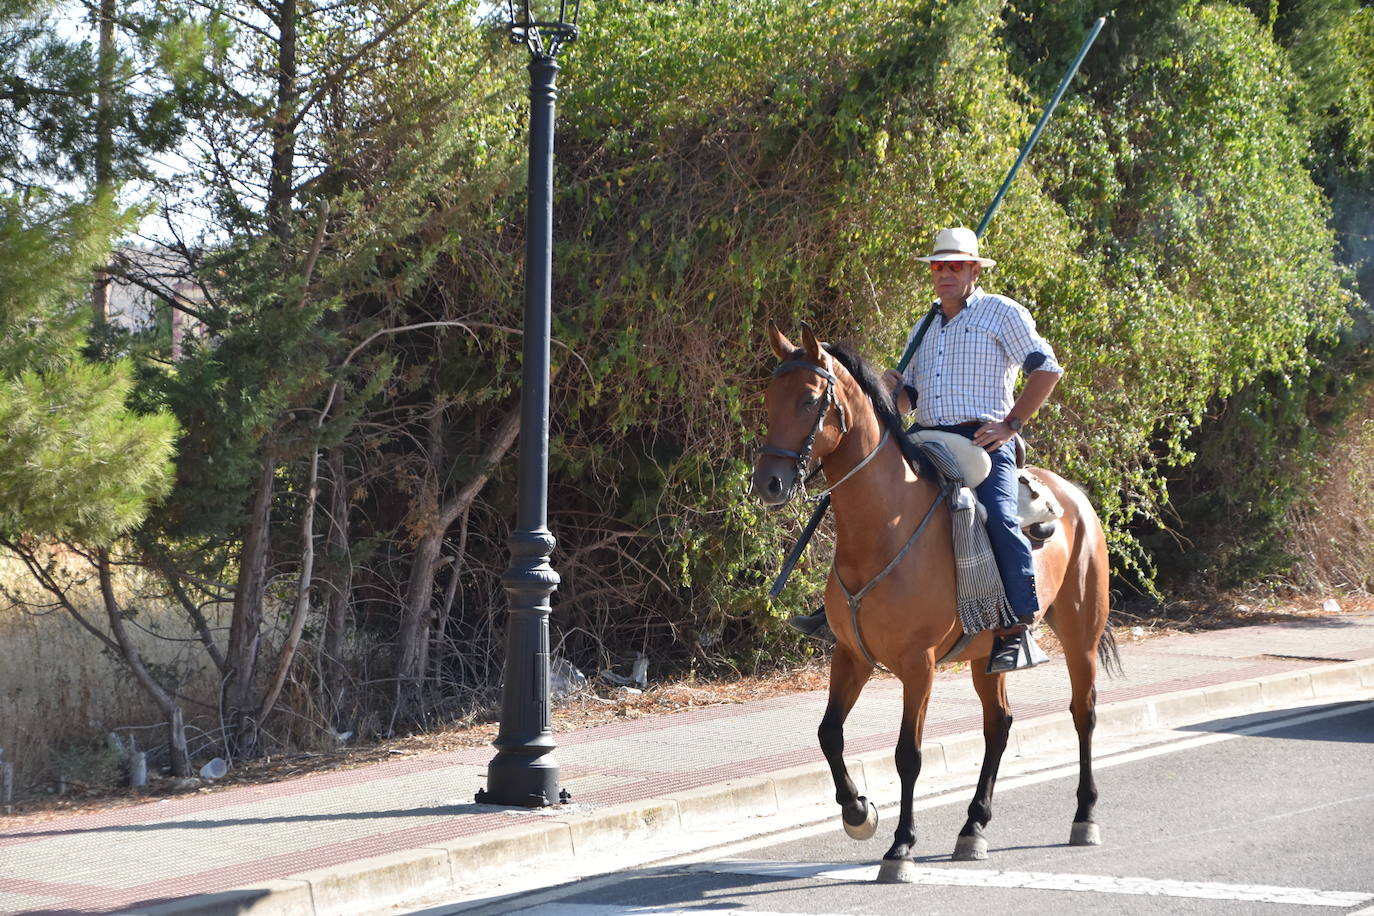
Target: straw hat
x,y
958,244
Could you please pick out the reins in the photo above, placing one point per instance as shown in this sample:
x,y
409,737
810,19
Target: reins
x,y
887,434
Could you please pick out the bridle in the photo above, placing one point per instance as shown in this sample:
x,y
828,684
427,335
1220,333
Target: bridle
x,y
828,400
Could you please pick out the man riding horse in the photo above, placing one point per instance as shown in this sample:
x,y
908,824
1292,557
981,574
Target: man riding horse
x,y
961,379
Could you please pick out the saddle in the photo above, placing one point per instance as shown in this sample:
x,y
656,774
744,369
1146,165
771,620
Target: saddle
x,y
1037,509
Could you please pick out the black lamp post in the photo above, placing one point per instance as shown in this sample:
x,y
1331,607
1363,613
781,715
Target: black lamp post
x,y
524,772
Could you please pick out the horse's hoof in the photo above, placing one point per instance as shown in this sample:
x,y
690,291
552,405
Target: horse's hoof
x,y
971,849
897,871
865,830
1085,833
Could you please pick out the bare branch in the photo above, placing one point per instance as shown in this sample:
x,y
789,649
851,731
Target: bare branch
x,y
45,579
302,609
329,84
192,609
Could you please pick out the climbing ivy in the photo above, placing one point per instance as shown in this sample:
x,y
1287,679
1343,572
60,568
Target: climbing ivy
x,y
725,163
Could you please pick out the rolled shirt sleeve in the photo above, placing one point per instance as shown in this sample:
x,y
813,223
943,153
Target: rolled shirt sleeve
x,y
1025,346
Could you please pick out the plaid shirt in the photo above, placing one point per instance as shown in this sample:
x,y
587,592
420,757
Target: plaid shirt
x,y
966,367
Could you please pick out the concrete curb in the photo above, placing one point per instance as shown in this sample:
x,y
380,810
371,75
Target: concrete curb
x,y
390,879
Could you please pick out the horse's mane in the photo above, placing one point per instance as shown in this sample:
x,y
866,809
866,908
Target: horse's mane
x,y
871,382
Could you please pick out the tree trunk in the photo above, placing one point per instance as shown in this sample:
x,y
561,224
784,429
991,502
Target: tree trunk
x,y
280,180
450,592
417,614
339,588
302,609
176,743
104,146
412,652
245,628
181,764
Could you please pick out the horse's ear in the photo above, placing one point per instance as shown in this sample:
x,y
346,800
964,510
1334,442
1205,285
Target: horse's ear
x,y
782,347
811,343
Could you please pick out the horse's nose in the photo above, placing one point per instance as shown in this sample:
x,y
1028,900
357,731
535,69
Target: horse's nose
x,y
769,487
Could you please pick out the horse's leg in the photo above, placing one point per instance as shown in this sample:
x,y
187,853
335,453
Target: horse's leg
x,y
1080,631
992,692
1082,666
897,865
848,674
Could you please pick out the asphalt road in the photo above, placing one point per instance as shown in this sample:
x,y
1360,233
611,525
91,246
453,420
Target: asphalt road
x,y
1267,817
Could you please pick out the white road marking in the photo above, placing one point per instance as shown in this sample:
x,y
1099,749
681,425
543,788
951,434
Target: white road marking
x,y
1098,884
940,797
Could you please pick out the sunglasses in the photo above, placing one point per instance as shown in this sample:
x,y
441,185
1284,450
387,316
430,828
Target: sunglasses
x,y
954,267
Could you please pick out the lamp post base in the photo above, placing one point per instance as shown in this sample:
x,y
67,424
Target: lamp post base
x,y
518,781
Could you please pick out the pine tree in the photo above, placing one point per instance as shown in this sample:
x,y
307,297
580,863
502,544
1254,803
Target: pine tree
x,y
80,461
75,461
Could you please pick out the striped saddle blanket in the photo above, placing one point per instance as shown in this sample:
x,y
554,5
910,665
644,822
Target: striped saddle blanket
x,y
982,601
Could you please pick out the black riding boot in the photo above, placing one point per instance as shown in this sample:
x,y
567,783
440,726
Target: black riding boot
x,y
811,624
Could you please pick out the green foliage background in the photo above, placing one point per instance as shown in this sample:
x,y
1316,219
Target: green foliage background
x,y
76,462
790,160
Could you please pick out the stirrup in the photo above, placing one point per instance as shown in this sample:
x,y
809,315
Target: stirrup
x,y
1015,653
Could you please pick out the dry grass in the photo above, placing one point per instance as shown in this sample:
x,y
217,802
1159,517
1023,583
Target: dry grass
x,y
1334,537
63,692
601,705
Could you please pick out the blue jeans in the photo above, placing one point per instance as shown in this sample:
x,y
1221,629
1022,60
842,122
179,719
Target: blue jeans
x,y
1009,544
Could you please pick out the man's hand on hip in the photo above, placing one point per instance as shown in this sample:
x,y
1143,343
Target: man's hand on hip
x,y
991,436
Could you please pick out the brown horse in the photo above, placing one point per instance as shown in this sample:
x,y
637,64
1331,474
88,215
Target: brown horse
x,y
826,404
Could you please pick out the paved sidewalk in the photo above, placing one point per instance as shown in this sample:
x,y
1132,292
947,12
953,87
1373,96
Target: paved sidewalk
x,y
347,841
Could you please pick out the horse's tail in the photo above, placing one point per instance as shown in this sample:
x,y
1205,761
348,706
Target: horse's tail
x,y
1107,655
